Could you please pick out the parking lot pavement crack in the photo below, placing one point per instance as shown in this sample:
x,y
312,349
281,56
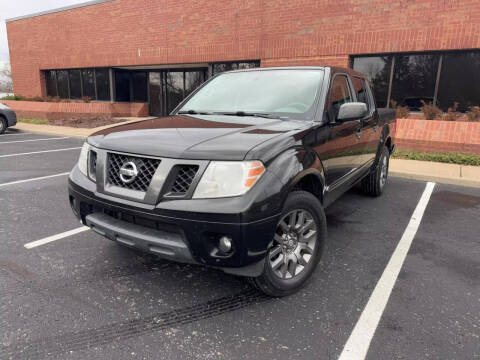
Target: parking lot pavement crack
x,y
124,330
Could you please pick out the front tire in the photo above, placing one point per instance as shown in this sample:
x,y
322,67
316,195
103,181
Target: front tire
x,y
3,125
375,182
297,246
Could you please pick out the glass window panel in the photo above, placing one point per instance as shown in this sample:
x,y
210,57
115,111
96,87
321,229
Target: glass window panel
x,y
414,78
51,81
122,86
459,80
377,69
75,85
62,81
193,79
103,84
156,94
88,78
361,90
339,94
248,65
222,67
175,95
140,83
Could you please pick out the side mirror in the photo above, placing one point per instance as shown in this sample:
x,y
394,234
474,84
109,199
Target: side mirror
x,y
352,111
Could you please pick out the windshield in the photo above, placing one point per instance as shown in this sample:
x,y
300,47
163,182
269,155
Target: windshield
x,y
279,92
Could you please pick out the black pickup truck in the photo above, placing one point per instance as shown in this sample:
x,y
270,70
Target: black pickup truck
x,y
239,175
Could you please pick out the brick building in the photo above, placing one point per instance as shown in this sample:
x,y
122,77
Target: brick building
x,y
157,52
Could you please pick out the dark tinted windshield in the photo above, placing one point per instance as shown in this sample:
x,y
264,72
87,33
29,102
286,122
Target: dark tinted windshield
x,y
280,92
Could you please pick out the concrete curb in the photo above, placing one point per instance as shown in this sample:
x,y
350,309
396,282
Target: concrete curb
x,y
454,174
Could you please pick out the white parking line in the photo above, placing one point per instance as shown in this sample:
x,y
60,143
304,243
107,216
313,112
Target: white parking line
x,y
33,179
40,152
45,139
49,239
358,343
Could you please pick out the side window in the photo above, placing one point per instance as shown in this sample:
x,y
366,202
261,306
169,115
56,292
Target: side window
x,y
339,94
361,90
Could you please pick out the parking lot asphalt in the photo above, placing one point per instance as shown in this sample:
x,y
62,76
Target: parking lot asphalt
x,y
83,296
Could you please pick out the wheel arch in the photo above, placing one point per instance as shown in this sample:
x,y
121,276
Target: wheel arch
x,y
300,169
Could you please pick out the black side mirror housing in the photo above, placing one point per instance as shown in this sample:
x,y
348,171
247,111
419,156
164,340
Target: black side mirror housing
x,y
352,111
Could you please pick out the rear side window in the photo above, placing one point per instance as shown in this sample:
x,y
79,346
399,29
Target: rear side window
x,y
339,94
360,87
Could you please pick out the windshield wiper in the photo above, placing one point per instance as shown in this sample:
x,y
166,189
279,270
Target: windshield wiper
x,y
194,112
247,113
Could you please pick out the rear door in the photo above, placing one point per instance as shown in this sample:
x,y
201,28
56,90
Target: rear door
x,y
370,133
338,152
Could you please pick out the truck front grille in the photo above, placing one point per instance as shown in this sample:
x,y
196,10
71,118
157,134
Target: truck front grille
x,y
183,179
146,168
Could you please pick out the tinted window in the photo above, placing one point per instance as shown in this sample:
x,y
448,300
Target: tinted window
x,y
140,91
88,81
221,67
103,84
459,80
175,95
75,85
377,69
414,79
122,86
51,81
271,91
339,94
360,88
193,79
62,83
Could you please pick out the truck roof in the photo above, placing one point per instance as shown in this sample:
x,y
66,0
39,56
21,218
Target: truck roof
x,y
333,69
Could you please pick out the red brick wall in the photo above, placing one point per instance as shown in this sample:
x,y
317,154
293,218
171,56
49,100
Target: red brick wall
x,y
438,136
279,32
53,111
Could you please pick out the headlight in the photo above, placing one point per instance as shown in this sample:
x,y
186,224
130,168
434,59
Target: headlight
x,y
83,159
228,178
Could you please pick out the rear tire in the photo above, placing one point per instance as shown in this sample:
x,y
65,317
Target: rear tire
x,y
297,246
3,125
375,182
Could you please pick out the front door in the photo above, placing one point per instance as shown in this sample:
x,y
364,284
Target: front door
x,y
338,153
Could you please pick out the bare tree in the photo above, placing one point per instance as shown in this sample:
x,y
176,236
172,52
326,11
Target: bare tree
x,y
6,84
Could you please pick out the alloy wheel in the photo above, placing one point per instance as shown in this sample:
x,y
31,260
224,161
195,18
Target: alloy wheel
x,y
294,243
383,171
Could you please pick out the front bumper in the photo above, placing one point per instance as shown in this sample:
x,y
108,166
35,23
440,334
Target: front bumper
x,y
185,230
10,116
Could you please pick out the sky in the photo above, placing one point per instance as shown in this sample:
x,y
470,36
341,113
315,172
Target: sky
x,y
10,9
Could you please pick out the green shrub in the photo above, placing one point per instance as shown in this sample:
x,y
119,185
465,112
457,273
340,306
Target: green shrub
x,y
474,113
431,111
401,112
451,158
33,121
13,97
452,113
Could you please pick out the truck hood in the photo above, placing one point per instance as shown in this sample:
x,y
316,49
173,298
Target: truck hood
x,y
202,137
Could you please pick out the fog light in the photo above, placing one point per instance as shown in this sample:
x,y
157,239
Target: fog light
x,y
225,244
